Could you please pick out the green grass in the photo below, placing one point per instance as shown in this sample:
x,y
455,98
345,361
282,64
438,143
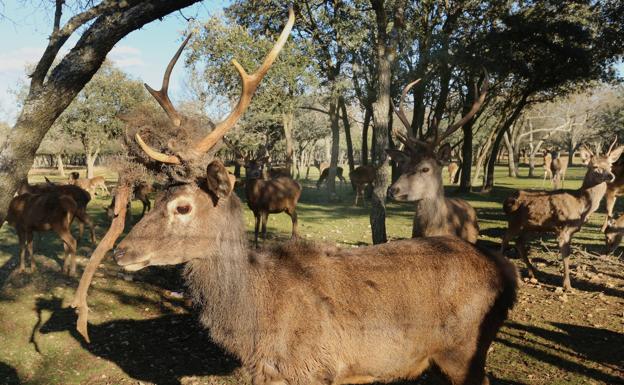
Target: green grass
x,y
140,334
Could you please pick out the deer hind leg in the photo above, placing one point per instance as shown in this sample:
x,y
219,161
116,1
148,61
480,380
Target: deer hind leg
x,y
293,216
358,193
69,245
21,235
29,249
564,249
265,218
610,204
257,227
83,219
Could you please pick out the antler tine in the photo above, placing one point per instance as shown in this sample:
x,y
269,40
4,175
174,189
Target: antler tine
x,y
162,96
400,111
249,85
159,156
612,145
473,110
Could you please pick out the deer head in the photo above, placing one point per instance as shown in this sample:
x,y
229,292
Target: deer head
x,y
421,161
599,166
190,219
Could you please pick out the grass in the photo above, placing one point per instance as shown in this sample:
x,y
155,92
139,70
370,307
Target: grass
x,y
142,335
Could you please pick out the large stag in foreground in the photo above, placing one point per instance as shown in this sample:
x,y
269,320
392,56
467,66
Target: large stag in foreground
x,y
421,164
79,195
303,313
44,212
560,212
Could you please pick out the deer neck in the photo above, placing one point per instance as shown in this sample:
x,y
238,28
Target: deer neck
x,y
592,193
430,218
222,284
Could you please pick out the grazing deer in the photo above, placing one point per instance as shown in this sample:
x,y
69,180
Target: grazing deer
x,y
88,184
370,314
325,174
140,192
614,190
560,212
80,196
270,196
421,164
44,212
361,176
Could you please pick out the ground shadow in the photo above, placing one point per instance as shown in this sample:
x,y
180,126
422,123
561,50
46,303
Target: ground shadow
x,y
160,350
8,375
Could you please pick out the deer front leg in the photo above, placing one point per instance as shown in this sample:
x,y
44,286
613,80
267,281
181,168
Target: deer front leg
x,y
29,248
22,251
69,245
521,246
257,227
564,249
610,204
265,218
293,217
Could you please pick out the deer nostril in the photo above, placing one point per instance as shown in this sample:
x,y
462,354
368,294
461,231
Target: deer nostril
x,y
118,253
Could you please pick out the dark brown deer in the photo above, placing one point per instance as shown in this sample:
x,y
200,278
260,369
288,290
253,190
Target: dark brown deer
x,y
614,190
48,211
378,313
323,168
361,177
560,212
141,193
421,164
80,196
275,195
88,184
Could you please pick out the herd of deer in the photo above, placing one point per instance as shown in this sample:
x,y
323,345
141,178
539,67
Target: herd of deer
x,y
302,312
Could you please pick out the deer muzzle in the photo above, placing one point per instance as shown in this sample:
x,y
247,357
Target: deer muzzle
x,y
129,261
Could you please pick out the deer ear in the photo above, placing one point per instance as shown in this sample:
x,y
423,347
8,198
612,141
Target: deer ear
x,y
219,181
444,153
397,155
615,154
585,155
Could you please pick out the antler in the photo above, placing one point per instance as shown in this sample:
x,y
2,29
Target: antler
x,y
249,85
612,145
407,140
162,96
473,110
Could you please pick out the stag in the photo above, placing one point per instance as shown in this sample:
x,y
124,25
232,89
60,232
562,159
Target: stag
x,y
378,313
80,197
421,163
361,177
50,210
88,184
560,212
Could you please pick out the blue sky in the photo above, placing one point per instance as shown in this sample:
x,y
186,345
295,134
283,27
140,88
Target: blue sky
x,y
144,53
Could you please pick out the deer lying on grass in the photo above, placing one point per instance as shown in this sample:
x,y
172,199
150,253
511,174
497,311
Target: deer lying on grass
x,y
140,192
46,211
421,165
377,313
88,184
270,196
560,212
80,197
361,177
614,190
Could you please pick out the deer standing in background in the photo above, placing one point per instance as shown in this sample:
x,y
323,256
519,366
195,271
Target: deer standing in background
x,y
88,184
140,192
324,173
80,197
301,313
558,168
45,211
547,161
361,177
560,212
421,164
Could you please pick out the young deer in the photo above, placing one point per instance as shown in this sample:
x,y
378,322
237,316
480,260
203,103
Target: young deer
x,y
79,195
88,184
140,192
45,211
270,196
560,212
361,177
302,313
421,164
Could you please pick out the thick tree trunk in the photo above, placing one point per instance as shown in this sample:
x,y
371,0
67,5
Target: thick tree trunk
x,y
91,158
47,100
334,118
571,148
466,164
347,130
511,166
367,118
59,164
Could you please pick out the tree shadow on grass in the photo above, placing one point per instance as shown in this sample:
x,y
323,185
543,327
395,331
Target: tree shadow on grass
x,y
572,348
160,350
8,375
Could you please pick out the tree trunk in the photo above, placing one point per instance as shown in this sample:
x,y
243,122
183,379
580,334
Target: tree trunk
x,y
367,118
47,100
334,118
510,157
288,120
347,130
571,148
91,158
59,164
466,163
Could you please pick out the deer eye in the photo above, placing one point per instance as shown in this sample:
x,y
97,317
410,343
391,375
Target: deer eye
x,y
425,169
183,209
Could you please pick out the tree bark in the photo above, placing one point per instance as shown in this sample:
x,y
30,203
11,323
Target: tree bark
x,y
367,118
91,158
334,118
510,157
47,100
288,121
347,130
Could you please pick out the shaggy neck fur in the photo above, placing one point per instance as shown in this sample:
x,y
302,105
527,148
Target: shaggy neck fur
x,y
222,285
592,194
430,216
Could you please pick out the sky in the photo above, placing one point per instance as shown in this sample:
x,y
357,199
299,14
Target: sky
x,y
143,54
